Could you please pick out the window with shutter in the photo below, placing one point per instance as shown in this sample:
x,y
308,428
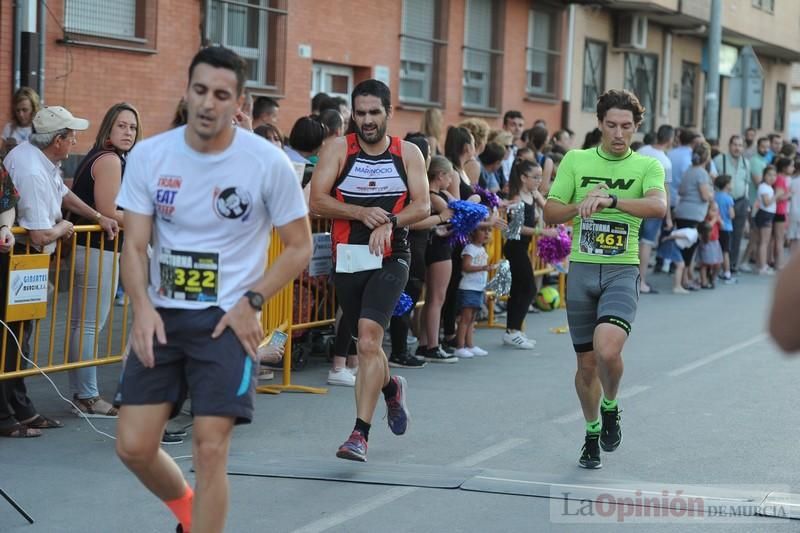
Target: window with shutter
x,y
422,46
482,54
594,73
543,52
641,75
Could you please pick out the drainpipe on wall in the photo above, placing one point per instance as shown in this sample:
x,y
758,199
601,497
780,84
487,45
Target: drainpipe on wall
x,y
666,72
42,27
17,42
566,97
712,83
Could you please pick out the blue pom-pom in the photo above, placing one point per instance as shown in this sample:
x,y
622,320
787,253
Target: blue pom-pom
x,y
466,217
404,305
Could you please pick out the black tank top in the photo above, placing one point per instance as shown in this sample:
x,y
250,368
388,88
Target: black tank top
x,y
83,187
371,181
434,240
464,190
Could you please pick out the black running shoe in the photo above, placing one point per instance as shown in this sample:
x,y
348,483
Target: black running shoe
x,y
405,361
590,453
438,355
611,433
448,346
170,438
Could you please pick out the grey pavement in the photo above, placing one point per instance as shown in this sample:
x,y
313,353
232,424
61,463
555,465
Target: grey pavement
x,y
707,402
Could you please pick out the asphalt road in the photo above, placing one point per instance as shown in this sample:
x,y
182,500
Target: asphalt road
x,y
707,408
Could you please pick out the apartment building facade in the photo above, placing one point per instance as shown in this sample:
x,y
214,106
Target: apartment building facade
x,y
546,58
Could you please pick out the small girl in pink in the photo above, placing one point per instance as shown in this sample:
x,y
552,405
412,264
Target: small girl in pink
x,y
785,168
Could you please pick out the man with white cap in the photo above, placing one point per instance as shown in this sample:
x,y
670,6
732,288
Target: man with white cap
x,y
34,167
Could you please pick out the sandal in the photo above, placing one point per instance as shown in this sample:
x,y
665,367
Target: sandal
x,y
94,408
20,431
43,422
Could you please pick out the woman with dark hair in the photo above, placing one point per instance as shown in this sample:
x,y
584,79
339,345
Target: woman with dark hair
x,y
97,183
305,140
459,147
694,194
592,139
537,140
523,195
271,133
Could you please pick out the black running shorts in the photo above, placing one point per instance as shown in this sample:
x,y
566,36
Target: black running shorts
x,y
600,294
372,294
217,374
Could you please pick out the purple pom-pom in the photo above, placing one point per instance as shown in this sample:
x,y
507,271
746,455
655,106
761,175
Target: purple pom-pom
x,y
466,217
488,198
403,306
553,250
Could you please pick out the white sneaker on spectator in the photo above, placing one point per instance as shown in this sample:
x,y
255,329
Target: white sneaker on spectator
x,y
411,339
766,271
517,340
463,353
532,341
341,376
353,370
477,351
745,267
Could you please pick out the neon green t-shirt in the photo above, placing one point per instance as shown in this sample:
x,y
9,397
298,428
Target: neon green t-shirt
x,y
610,236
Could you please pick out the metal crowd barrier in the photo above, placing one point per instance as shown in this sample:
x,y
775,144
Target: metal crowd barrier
x,y
307,303
50,351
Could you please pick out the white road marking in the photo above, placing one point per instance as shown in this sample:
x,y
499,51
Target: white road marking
x,y
717,355
396,493
626,393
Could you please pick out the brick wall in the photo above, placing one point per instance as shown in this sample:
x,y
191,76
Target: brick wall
x,y
87,80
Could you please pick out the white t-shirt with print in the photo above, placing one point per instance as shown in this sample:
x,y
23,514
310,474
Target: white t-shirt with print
x,y
475,281
765,189
212,214
18,133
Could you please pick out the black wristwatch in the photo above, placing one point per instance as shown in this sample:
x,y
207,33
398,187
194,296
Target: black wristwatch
x,y
255,299
613,201
393,220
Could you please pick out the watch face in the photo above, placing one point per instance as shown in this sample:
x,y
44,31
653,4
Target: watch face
x,y
256,300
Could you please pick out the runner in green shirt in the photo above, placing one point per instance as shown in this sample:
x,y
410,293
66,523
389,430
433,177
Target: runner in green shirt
x,y
605,191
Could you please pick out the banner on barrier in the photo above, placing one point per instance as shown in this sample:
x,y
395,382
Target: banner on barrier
x,y
28,282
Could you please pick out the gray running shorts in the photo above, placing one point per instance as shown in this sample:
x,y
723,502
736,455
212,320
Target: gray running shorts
x,y
600,294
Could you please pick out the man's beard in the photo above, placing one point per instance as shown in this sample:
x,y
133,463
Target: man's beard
x,y
380,133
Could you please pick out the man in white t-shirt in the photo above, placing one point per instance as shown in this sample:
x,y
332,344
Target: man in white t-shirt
x,y
651,227
205,197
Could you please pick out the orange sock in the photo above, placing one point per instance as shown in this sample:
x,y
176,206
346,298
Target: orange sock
x,y
182,509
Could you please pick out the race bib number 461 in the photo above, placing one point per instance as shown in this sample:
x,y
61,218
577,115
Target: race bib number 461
x,y
189,275
603,237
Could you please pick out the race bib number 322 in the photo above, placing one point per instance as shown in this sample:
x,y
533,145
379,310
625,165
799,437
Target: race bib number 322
x,y
187,275
603,237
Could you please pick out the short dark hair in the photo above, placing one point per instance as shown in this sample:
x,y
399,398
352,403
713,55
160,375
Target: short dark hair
x,y
774,136
512,114
649,138
722,181
307,134
221,57
620,99
688,136
761,140
317,100
665,133
372,88
734,137
783,163
332,102
492,153
332,119
419,140
264,105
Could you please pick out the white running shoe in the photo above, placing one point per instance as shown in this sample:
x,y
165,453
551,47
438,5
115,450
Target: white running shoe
x,y
353,370
517,340
532,341
745,267
342,377
463,353
477,351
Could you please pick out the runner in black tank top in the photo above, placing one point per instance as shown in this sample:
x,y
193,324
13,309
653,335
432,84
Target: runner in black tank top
x,y
373,187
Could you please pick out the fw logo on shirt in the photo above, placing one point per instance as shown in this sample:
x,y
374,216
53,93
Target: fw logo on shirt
x,y
619,183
